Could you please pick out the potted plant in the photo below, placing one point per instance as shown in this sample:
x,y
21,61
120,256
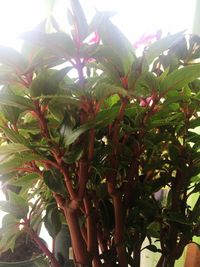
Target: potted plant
x,y
20,244
94,131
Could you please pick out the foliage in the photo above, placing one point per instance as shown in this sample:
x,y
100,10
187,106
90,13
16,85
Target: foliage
x,y
95,148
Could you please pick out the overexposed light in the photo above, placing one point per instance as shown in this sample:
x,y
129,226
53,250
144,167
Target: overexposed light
x,y
133,17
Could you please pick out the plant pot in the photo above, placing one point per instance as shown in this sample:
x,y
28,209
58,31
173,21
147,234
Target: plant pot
x,y
62,247
38,261
26,253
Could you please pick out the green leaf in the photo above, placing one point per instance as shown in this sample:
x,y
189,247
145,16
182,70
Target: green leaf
x,y
79,19
145,85
59,43
161,45
42,86
152,248
106,116
71,138
8,235
11,114
10,164
52,221
12,58
74,155
25,180
16,101
104,90
195,179
54,181
194,122
109,59
153,229
12,148
178,217
18,160
47,82
180,77
174,152
114,38
14,136
16,206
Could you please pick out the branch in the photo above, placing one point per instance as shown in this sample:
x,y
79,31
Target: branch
x,y
41,244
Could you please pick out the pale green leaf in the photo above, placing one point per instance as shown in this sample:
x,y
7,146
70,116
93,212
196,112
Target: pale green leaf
x,y
12,148
157,48
180,77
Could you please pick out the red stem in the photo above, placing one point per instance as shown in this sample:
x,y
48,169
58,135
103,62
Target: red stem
x,y
91,145
83,177
78,243
44,248
119,229
68,184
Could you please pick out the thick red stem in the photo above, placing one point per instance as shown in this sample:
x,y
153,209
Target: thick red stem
x,y
78,244
119,229
92,242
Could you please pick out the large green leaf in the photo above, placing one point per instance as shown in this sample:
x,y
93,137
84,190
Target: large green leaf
x,y
25,180
9,232
161,45
14,136
17,160
11,114
12,148
47,82
180,77
178,217
71,138
114,38
52,220
16,205
74,155
16,101
12,58
104,90
54,181
59,43
145,85
78,19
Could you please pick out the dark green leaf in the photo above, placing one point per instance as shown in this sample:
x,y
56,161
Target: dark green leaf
x,y
178,217
52,221
74,155
153,229
161,45
71,138
16,101
54,181
145,85
153,248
